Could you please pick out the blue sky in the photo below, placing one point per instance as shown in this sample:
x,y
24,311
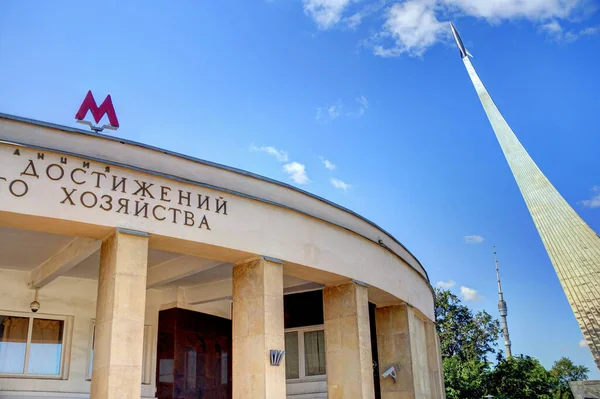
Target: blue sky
x,y
376,88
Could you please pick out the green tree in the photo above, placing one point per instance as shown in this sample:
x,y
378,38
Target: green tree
x,y
468,335
466,338
464,378
519,377
564,371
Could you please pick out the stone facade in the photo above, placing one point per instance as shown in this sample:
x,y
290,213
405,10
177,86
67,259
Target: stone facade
x,y
112,233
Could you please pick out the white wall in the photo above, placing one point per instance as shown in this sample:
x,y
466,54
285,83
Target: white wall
x,y
66,297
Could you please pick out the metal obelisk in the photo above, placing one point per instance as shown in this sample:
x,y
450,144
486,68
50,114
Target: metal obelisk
x,y
573,247
503,310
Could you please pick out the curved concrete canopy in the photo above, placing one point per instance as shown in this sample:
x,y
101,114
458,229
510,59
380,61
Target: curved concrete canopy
x,y
72,177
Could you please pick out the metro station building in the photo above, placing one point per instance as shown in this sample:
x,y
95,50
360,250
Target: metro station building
x,y
162,276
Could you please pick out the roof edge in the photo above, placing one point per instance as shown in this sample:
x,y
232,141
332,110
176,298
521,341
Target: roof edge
x,y
69,129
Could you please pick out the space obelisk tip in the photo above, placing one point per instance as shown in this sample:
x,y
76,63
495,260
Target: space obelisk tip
x,y
461,47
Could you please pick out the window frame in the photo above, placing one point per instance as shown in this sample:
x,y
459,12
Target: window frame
x,y
301,356
65,354
146,354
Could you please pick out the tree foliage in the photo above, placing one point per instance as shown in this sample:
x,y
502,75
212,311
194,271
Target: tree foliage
x,y
520,377
462,333
563,371
464,378
469,339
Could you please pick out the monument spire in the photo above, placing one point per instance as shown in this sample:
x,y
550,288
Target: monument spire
x,y
502,309
573,247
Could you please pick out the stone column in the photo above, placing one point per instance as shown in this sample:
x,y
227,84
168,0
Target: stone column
x,y
348,342
394,349
436,373
257,328
117,368
410,344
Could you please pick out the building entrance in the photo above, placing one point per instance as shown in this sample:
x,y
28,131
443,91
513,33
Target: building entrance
x,y
194,356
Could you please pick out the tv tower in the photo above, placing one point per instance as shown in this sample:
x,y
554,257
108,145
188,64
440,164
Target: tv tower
x,y
502,310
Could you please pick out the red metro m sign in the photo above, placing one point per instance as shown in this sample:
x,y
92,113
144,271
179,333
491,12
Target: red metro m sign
x,y
106,108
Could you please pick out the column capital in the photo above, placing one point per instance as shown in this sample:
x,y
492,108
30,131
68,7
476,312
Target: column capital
x,y
260,257
131,232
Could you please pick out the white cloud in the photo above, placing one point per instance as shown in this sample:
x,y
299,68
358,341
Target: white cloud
x,y
474,239
354,20
593,202
413,27
469,294
445,284
281,156
297,172
583,344
330,112
327,163
326,13
334,110
513,9
340,185
362,100
363,105
556,32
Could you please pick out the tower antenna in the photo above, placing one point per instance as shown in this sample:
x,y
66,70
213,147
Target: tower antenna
x,y
502,309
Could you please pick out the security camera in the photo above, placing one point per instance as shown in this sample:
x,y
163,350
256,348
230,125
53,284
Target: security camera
x,y
390,372
34,306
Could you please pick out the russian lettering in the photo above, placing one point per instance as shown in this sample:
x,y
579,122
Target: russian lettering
x,y
222,206
63,160
33,172
86,164
175,210
164,191
154,212
139,209
40,155
186,197
98,175
204,223
124,203
107,206
144,188
24,188
83,200
68,196
203,202
189,217
116,185
53,166
73,176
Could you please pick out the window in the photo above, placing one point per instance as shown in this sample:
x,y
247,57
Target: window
x,y
305,353
146,348
33,346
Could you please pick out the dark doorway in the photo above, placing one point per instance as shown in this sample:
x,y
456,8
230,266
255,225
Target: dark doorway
x,y
194,356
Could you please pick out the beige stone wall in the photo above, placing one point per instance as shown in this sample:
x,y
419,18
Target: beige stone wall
x,y
257,328
120,313
300,240
408,342
348,342
420,357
